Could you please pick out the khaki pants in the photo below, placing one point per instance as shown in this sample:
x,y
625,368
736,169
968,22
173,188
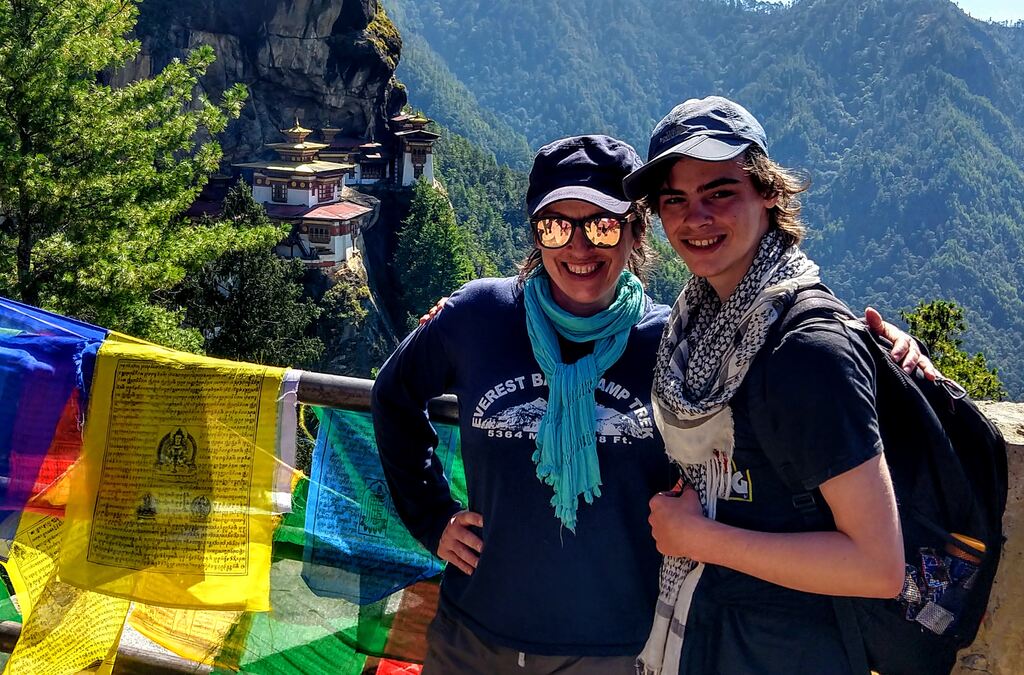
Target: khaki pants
x,y
453,649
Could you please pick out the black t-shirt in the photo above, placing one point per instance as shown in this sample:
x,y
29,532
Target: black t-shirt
x,y
805,413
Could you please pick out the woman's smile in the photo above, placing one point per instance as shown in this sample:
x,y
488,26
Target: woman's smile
x,y
584,277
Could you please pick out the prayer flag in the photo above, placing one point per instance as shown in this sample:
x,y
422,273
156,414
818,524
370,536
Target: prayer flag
x,y
195,634
172,499
45,363
172,502
307,634
65,629
356,547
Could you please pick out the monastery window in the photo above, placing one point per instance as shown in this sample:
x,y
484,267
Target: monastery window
x,y
326,192
279,192
319,235
373,171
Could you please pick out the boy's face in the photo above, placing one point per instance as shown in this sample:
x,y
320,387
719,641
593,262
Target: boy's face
x,y
714,218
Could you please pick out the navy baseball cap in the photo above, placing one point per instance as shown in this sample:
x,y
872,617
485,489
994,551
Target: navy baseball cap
x,y
713,129
590,168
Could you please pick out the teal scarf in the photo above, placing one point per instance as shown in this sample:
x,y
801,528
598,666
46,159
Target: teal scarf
x,y
566,455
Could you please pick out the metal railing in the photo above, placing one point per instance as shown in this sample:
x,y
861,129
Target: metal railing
x,y
353,393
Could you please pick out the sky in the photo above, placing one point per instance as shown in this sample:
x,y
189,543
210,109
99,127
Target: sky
x,y
997,10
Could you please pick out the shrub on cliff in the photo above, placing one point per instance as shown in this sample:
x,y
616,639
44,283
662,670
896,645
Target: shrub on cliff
x,y
939,325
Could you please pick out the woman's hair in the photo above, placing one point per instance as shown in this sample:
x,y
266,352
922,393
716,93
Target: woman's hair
x,y
770,179
641,258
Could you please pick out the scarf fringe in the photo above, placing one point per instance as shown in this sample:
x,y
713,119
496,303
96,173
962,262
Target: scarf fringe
x,y
566,454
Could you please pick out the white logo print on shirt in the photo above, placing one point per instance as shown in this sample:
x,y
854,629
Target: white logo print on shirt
x,y
632,421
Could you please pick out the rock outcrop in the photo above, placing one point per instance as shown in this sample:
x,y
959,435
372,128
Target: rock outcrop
x,y
326,62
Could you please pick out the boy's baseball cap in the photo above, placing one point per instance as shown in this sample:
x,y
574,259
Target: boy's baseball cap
x,y
713,129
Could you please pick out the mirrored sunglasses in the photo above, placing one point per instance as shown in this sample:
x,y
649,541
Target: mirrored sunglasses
x,y
603,231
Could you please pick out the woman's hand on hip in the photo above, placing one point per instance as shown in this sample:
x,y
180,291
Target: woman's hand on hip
x,y
459,545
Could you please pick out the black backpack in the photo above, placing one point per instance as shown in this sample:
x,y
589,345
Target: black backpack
x,y
948,465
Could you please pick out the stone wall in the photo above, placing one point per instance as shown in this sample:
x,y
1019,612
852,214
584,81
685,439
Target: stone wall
x,y
999,648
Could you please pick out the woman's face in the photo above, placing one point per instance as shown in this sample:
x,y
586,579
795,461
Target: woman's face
x,y
714,218
584,277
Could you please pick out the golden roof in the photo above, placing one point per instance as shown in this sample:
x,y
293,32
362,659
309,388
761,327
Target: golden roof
x,y
297,133
297,129
305,146
297,168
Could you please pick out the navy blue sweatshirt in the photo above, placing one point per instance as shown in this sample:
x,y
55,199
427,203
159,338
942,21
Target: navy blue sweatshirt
x,y
538,587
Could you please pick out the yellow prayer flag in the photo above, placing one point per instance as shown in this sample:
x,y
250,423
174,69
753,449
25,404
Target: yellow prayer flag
x,y
66,629
172,500
194,634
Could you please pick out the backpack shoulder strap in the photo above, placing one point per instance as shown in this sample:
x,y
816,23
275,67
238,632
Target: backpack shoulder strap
x,y
853,638
813,304
819,304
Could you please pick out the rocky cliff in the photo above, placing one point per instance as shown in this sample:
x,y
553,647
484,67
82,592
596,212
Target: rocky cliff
x,y
323,61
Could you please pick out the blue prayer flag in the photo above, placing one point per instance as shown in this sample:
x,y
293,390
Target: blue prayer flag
x,y
356,547
44,360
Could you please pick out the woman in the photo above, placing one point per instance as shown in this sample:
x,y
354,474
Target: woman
x,y
539,580
745,589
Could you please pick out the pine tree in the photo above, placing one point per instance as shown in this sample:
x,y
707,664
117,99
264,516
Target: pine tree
x,y
249,304
432,258
939,325
93,177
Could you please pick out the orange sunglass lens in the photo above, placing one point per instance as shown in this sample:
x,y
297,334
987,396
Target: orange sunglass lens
x,y
553,232
556,232
603,231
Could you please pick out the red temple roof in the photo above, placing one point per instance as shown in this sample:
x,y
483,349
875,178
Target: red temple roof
x,y
343,210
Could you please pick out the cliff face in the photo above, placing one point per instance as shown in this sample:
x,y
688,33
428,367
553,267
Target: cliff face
x,y
323,61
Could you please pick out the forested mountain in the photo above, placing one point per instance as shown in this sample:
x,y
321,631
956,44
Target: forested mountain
x,y
907,114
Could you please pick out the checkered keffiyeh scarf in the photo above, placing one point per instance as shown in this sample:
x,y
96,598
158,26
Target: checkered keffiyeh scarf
x,y
704,355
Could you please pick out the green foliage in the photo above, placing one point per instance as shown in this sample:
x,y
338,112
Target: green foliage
x,y
92,177
356,341
248,304
905,113
668,275
939,325
489,201
432,255
384,36
437,89
249,307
